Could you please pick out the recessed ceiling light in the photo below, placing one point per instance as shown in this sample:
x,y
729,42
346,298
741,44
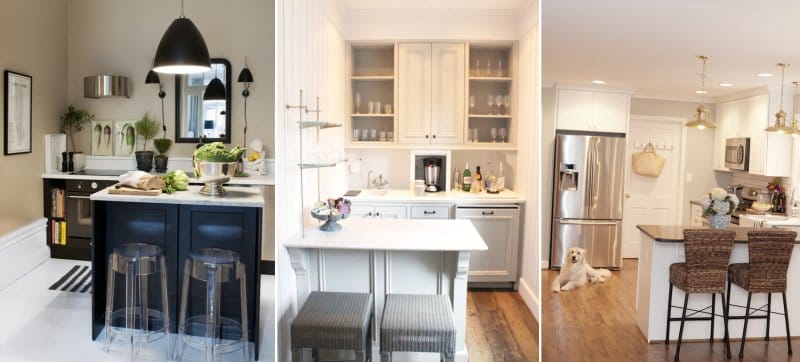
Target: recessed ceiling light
x,y
726,84
701,92
597,81
764,74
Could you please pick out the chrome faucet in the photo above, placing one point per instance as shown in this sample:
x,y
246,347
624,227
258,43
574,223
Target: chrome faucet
x,y
380,183
369,180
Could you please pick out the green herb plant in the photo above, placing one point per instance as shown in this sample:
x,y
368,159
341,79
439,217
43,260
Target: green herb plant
x,y
73,122
146,128
162,145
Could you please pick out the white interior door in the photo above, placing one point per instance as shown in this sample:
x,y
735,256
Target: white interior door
x,y
652,200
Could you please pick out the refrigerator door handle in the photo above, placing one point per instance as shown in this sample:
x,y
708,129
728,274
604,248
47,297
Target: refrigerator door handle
x,y
588,222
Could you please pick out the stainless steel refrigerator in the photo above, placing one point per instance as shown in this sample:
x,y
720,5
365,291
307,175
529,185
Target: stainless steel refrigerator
x,y
587,198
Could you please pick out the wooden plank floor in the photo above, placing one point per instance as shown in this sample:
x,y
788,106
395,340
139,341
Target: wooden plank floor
x,y
598,323
500,327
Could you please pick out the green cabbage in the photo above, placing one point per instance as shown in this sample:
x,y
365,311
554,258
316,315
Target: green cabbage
x,y
175,181
216,152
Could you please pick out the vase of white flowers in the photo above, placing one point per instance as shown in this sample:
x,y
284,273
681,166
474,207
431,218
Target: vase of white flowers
x,y
718,206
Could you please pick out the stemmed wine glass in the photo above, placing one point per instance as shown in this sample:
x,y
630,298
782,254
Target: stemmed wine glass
x,y
498,100
471,104
502,133
490,102
489,68
499,72
507,103
477,72
493,134
358,101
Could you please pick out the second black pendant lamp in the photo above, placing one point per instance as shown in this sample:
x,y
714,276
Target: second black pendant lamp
x,y
182,49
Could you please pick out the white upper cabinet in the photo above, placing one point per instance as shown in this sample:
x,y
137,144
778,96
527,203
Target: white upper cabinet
x,y
431,92
592,110
770,153
447,123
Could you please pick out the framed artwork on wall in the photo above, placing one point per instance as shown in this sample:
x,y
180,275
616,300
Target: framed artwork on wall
x,y
124,138
17,110
102,138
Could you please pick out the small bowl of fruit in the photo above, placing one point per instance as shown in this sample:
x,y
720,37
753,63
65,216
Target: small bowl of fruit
x,y
331,211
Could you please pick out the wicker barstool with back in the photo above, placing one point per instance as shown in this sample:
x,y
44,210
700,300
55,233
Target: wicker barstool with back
x,y
770,252
707,255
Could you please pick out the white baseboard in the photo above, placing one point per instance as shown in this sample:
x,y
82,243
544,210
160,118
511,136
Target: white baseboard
x,y
22,250
545,264
530,298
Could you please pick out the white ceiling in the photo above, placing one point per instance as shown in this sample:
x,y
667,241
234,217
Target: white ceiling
x,y
437,4
650,46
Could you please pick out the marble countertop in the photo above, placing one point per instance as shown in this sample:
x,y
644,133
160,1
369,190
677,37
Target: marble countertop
x,y
252,180
674,233
461,197
377,234
234,196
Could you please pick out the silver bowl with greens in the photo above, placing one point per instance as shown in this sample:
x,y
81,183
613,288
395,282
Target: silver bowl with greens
x,y
214,165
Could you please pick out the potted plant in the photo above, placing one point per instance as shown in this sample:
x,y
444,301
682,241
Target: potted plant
x,y
162,145
146,128
73,121
718,206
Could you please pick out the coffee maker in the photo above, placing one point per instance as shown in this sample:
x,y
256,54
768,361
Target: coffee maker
x,y
432,168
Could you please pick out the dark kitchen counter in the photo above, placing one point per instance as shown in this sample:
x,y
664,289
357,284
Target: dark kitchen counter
x,y
674,233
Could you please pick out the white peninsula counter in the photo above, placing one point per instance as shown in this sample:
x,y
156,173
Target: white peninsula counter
x,y
381,256
662,246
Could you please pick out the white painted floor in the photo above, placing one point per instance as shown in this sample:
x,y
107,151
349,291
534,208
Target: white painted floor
x,y
38,324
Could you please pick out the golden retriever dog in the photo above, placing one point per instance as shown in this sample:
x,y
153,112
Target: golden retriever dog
x,y
576,271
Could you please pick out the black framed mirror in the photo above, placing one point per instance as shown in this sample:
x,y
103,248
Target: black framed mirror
x,y
195,117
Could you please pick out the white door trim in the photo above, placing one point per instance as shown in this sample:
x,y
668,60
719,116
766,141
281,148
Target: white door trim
x,y
681,152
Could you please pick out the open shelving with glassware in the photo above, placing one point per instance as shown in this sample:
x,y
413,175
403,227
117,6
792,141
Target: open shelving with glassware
x,y
489,94
372,89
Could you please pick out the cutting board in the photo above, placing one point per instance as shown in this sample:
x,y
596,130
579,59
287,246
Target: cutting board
x,y
126,190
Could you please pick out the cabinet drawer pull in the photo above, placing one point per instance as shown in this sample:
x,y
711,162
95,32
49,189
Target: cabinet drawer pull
x,y
429,212
487,212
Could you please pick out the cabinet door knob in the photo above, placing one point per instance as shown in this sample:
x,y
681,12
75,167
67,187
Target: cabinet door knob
x,y
427,136
434,136
377,214
369,214
627,195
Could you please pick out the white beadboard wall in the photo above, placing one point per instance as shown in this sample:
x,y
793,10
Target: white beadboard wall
x,y
751,180
310,55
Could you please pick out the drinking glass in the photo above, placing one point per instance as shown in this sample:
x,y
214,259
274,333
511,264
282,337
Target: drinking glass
x,y
387,108
390,136
377,107
502,133
471,104
490,103
507,103
475,135
371,107
489,68
382,136
499,72
493,134
373,135
498,100
477,70
358,101
356,134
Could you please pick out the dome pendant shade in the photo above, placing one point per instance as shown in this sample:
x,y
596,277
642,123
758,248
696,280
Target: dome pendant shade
x,y
215,91
780,124
245,76
700,119
152,78
182,50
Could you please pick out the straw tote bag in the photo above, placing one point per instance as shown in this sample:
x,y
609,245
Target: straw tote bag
x,y
647,162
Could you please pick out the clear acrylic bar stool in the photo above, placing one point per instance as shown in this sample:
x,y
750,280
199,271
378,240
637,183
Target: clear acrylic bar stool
x,y
136,319
210,331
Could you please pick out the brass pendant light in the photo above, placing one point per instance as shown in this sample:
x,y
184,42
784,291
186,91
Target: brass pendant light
x,y
780,117
700,119
795,117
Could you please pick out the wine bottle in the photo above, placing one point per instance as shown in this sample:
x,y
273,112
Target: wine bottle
x,y
467,180
477,184
501,179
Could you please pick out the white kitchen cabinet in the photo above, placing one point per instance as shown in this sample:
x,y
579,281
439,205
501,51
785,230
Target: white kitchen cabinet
x,y
770,153
696,218
592,110
431,92
430,211
499,228
379,211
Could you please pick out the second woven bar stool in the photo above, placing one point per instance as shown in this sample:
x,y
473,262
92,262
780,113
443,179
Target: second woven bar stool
x,y
418,323
707,255
770,252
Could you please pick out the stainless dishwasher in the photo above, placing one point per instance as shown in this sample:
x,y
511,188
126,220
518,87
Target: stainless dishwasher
x,y
498,225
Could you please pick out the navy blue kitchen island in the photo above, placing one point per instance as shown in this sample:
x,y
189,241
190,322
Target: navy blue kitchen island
x,y
180,223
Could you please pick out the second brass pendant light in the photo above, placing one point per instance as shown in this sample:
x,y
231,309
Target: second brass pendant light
x,y
780,117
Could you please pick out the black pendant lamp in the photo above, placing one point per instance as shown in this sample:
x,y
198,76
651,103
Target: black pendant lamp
x,y
152,78
246,77
182,49
215,90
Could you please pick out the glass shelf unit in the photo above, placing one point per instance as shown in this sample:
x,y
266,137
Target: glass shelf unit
x,y
321,125
490,98
319,164
372,91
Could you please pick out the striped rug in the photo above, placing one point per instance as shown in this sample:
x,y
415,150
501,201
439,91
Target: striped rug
x,y
78,279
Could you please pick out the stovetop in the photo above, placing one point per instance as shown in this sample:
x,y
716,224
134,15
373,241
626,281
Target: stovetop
x,y
95,172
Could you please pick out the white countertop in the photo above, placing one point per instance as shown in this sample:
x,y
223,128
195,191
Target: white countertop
x,y
377,234
234,196
504,197
252,180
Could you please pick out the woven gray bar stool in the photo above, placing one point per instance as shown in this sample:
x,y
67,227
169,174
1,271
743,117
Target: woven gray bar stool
x,y
137,319
418,323
210,331
332,320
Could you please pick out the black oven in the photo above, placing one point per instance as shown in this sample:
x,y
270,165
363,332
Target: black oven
x,y
79,207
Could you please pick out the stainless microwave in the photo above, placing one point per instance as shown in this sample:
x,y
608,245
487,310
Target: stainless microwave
x,y
737,153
